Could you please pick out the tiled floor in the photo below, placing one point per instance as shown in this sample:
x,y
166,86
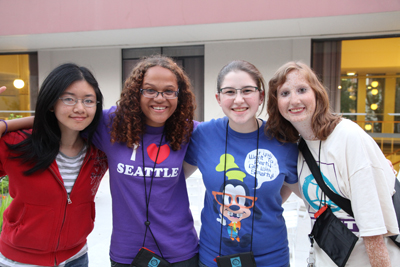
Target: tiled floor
x,y
297,221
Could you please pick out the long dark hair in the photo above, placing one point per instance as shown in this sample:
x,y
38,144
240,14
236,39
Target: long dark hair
x,y
41,147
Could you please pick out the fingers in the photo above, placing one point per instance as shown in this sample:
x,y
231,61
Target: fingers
x,y
2,89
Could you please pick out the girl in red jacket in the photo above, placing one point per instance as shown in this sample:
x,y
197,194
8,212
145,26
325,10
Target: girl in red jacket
x,y
53,174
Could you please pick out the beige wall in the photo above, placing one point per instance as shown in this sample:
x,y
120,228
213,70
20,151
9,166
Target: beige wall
x,y
267,56
105,64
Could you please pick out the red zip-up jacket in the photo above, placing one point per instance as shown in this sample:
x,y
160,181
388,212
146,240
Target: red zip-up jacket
x,y
42,225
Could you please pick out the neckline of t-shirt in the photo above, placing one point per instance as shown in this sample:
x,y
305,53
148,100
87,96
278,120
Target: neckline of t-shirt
x,y
154,130
249,135
83,151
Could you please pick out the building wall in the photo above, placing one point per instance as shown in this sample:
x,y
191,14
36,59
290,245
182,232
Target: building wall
x,y
57,16
267,56
105,65
266,33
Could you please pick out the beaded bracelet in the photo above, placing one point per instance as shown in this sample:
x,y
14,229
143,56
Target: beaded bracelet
x,y
6,127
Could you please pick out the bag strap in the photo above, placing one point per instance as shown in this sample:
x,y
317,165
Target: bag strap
x,y
342,202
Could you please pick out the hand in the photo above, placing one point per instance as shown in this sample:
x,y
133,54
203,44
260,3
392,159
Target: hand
x,y
220,219
390,164
2,127
2,89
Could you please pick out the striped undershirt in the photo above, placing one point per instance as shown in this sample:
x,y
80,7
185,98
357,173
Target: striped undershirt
x,y
69,167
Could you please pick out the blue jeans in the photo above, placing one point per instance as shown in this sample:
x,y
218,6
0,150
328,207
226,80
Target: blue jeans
x,y
82,261
187,263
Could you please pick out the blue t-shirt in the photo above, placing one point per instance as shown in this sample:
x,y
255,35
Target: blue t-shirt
x,y
246,194
169,213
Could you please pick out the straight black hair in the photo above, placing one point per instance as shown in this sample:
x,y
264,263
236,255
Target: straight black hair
x,y
41,147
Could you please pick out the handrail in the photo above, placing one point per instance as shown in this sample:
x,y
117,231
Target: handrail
x,y
390,154
17,111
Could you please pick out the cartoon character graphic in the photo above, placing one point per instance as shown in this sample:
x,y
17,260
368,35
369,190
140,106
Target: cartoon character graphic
x,y
311,190
234,204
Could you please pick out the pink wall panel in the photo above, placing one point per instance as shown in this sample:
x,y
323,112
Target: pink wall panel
x,y
19,17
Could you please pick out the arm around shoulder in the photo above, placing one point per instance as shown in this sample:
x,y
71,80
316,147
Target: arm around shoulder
x,y
287,189
188,169
17,124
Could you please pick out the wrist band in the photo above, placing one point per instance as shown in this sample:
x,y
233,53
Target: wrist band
x,y
6,127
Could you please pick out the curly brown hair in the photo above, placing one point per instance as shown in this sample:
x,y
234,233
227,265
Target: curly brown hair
x,y
129,122
323,120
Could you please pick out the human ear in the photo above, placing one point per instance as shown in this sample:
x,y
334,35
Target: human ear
x,y
218,97
262,95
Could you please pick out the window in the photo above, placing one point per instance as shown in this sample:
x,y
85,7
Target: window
x,y
19,73
363,79
190,58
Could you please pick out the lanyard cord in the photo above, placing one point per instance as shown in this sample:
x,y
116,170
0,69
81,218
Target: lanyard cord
x,y
147,222
255,185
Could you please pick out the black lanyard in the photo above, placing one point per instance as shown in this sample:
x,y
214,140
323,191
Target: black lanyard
x,y
147,222
255,186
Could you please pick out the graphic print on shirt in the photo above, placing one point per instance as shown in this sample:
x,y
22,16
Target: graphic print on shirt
x,y
267,166
151,150
314,195
163,152
234,204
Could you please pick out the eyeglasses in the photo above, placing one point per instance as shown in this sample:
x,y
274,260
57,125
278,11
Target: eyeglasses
x,y
150,93
246,92
229,200
71,101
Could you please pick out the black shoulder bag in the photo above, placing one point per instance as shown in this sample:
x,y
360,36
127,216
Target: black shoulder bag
x,y
331,235
344,203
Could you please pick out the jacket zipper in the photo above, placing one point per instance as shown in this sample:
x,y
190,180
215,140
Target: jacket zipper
x,y
69,201
65,211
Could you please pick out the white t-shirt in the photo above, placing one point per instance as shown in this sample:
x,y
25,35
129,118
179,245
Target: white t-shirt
x,y
353,166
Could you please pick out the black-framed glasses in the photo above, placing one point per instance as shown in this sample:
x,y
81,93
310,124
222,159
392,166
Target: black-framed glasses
x,y
71,101
247,91
168,94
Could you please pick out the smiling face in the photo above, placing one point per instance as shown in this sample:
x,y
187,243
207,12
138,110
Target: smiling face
x,y
296,99
77,117
234,203
240,111
158,110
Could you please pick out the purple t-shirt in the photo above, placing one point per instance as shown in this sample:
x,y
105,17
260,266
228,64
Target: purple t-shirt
x,y
170,218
